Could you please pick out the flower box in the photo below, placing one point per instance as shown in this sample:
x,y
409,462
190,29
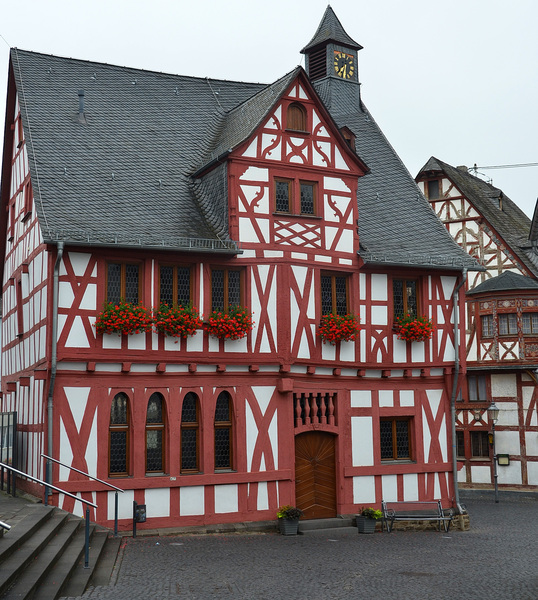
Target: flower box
x,y
182,321
123,318
233,324
414,328
338,328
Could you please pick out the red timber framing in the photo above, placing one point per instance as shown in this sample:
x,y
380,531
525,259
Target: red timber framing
x,y
363,382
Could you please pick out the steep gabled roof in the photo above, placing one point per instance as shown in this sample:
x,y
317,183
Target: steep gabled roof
x,y
330,30
502,214
507,281
121,173
396,224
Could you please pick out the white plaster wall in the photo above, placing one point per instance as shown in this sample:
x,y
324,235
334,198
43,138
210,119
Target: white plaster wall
x,y
379,315
262,501
226,499
157,502
508,414
462,475
507,442
503,385
510,474
362,449
364,490
532,473
407,398
386,398
410,485
361,398
480,474
389,485
531,442
379,287
125,505
191,501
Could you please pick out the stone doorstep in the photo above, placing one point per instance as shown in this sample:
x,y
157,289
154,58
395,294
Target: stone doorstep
x,y
460,522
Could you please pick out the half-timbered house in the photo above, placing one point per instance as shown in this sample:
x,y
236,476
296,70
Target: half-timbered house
x,y
123,185
502,326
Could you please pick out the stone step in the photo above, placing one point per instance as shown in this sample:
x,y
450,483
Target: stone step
x,y
24,555
315,524
28,521
71,578
331,531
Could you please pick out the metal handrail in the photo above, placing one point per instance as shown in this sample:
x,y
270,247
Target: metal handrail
x,y
87,502
95,479
5,525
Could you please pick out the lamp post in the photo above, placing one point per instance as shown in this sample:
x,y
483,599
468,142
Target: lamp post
x,y
493,414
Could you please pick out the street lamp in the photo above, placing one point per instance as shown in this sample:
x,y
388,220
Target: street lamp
x,y
493,414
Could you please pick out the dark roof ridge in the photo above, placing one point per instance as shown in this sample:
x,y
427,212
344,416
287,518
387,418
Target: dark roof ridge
x,y
137,69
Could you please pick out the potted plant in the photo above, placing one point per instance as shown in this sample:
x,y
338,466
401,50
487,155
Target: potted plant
x,y
124,318
233,324
338,328
182,321
367,519
288,519
413,328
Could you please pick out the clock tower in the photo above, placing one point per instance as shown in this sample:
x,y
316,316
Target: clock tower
x,y
331,52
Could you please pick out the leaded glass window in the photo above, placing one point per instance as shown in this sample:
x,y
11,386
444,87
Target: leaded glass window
x,y
405,297
223,432
530,323
175,285
508,324
479,444
333,294
282,195
395,439
190,428
307,198
155,434
123,282
119,436
487,325
226,289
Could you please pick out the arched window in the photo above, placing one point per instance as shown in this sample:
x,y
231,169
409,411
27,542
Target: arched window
x,y
296,117
223,432
118,436
155,434
190,434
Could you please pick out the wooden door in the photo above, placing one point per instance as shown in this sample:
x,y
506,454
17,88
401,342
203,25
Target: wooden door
x,y
315,474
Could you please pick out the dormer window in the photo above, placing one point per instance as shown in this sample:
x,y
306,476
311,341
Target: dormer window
x,y
296,117
349,136
434,189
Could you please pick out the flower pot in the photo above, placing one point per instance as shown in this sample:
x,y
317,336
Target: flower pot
x,y
365,525
288,526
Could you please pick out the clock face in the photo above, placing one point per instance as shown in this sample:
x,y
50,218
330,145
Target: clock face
x,y
344,65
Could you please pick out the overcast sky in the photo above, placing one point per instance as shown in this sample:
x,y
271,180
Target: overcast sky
x,y
455,79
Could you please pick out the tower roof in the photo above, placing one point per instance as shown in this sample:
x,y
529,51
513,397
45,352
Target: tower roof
x,y
330,30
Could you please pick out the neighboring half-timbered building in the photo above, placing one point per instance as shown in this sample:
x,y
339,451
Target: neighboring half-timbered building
x,y
140,188
502,325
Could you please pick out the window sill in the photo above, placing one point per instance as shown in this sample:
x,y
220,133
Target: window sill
x,y
396,461
296,215
156,474
300,132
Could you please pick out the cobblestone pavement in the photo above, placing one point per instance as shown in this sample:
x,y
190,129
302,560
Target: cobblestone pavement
x,y
497,559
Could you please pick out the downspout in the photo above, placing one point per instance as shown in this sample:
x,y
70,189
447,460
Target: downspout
x,y
53,363
455,296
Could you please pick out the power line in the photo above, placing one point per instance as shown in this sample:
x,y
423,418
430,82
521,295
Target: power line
x,y
515,166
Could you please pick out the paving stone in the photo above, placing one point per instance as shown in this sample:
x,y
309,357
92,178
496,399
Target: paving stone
x,y
496,559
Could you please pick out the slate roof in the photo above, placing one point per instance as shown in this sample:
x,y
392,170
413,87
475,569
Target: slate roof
x,y
123,173
510,223
507,281
396,223
330,30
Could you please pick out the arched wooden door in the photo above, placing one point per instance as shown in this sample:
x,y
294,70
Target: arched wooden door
x,y
315,474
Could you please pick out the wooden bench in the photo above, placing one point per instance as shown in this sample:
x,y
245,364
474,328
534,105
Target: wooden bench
x,y
416,511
